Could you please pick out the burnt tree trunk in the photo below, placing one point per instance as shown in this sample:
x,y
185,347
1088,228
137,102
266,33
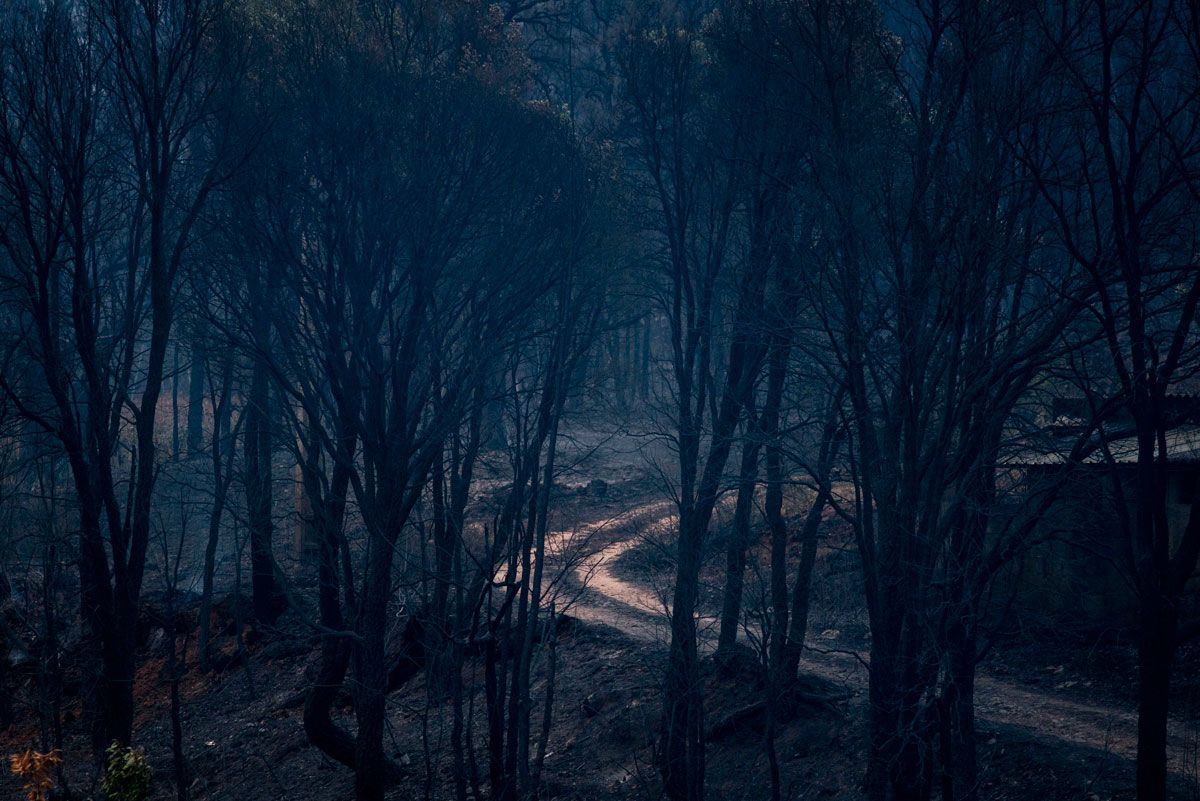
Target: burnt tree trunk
x,y
802,591
773,509
328,514
266,592
196,379
739,538
957,716
1156,655
682,740
222,451
1162,568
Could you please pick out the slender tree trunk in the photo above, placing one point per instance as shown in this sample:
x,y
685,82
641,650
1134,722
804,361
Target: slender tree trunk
x,y
6,646
459,728
456,726
443,552
196,379
267,596
515,643
438,637
524,701
739,539
770,740
50,684
773,509
547,705
644,368
222,474
175,447
802,591
175,671
683,710
494,692
204,635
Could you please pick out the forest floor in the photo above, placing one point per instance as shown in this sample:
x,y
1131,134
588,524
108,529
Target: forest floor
x,y
1053,724
1080,709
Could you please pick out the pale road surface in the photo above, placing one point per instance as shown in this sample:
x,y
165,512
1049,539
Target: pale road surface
x,y
642,613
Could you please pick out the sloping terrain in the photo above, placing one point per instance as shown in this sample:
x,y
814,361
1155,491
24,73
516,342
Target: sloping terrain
x,y
244,737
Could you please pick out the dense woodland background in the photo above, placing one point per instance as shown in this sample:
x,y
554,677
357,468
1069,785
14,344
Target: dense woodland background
x,y
345,345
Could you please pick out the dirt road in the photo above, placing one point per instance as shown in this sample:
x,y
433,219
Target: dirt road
x,y
598,594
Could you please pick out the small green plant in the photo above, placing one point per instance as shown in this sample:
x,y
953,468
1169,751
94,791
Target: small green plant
x,y
127,774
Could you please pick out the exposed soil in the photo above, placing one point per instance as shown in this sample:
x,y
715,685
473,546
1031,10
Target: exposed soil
x,y
1040,739
1076,702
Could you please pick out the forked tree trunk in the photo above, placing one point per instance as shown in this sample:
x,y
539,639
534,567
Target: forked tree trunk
x,y
371,767
682,740
105,704
802,592
328,515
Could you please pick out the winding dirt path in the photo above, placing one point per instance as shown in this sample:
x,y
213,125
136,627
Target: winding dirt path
x,y
597,594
